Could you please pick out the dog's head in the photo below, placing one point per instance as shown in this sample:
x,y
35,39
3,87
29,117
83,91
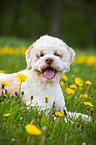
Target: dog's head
x,y
49,57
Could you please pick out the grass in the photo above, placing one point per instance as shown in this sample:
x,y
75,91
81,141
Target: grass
x,y
54,128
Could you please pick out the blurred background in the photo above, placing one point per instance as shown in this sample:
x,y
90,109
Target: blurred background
x,y
74,21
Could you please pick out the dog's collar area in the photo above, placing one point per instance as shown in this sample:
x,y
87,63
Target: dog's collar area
x,y
49,72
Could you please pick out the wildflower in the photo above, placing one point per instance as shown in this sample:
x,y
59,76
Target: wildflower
x,y
1,71
32,129
62,83
88,83
80,89
81,59
69,91
33,121
53,103
47,97
46,100
78,81
65,77
84,95
87,107
72,86
91,109
58,113
88,103
91,61
67,97
81,95
21,77
13,139
3,83
6,115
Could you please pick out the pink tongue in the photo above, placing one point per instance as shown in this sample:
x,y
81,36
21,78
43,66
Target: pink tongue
x,y
49,73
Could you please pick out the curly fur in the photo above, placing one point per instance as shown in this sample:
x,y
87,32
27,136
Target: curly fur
x,y
46,52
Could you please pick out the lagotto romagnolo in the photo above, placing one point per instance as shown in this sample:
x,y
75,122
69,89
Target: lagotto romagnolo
x,y
47,60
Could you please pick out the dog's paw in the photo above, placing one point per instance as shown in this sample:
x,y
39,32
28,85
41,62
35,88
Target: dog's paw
x,y
86,118
75,116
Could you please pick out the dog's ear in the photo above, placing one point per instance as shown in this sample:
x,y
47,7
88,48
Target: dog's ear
x,y
71,54
28,57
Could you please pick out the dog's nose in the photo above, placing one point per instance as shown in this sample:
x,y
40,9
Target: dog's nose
x,y
49,60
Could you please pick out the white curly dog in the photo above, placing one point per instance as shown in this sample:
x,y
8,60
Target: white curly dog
x,y
47,59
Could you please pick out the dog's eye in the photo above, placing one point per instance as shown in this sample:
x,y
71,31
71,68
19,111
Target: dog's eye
x,y
41,55
57,54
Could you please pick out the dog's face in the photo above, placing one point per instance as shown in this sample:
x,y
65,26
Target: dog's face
x,y
49,57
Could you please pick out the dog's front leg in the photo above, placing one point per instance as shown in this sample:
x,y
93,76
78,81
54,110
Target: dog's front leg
x,y
75,115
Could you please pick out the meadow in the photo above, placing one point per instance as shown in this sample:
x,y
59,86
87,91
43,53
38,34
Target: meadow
x,y
25,125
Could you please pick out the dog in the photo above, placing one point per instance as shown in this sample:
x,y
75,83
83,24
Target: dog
x,y
47,60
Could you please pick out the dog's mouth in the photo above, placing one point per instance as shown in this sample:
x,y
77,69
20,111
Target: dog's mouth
x,y
49,72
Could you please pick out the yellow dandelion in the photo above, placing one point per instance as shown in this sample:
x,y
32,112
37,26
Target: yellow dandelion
x,y
80,89
21,77
88,82
81,59
91,109
47,97
67,97
6,115
62,83
1,71
81,95
78,81
73,86
84,95
91,61
88,103
58,113
65,77
32,129
3,83
69,91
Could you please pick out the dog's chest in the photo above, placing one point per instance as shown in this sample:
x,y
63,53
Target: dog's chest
x,y
39,93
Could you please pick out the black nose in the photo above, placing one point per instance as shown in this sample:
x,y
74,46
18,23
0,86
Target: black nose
x,y
49,60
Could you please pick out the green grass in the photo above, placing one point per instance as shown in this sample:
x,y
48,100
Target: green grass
x,y
54,132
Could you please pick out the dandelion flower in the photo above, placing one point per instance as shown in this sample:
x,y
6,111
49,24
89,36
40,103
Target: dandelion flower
x,y
21,77
88,83
58,113
91,109
6,115
84,95
73,86
3,83
65,77
47,97
91,61
32,129
78,81
69,91
62,83
1,71
88,103
81,95
80,89
81,59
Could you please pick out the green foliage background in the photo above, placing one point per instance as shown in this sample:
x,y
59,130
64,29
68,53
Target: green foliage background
x,y
72,20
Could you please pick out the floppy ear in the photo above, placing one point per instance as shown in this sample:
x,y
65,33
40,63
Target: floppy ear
x,y
71,54
28,57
